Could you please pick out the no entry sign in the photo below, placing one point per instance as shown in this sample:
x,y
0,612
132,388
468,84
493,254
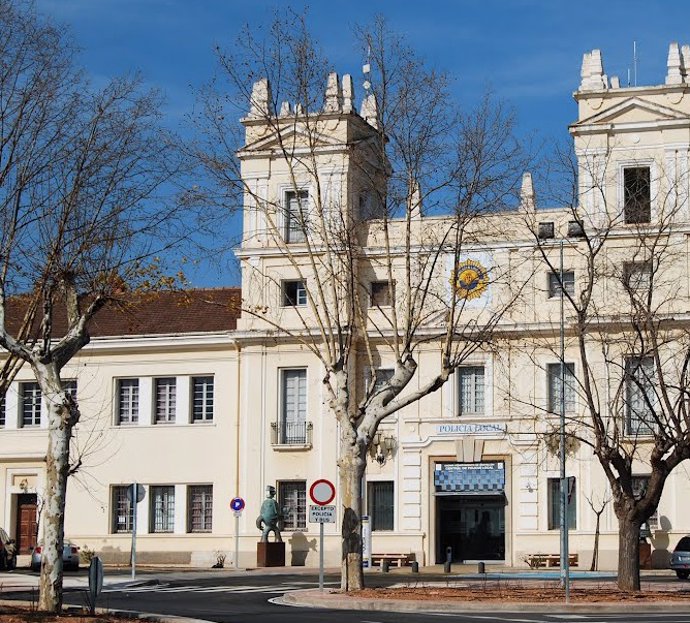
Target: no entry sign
x,y
322,492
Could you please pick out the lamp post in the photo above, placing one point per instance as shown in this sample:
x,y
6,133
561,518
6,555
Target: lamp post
x,y
565,566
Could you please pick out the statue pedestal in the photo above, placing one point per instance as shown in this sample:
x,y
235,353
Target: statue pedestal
x,y
270,554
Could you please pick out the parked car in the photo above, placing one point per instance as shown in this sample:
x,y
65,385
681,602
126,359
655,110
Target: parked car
x,y
70,556
8,551
680,558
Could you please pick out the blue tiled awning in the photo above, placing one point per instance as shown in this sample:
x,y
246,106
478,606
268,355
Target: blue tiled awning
x,y
470,477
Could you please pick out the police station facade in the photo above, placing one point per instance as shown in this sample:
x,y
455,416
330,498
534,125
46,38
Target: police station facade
x,y
221,409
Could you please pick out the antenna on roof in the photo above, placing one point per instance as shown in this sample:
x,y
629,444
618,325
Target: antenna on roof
x,y
635,62
366,70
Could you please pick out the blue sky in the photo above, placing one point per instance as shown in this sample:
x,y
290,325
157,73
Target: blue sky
x,y
528,51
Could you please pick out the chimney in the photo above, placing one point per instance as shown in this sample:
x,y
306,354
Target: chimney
x,y
592,72
527,191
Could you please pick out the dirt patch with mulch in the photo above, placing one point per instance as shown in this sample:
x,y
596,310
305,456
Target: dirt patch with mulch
x,y
17,614
522,594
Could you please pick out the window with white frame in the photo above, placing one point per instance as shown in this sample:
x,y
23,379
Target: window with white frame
x,y
383,375
294,293
292,427
637,195
162,511
30,394
292,499
471,390
380,507
553,373
199,508
296,210
554,495
166,399
555,285
639,487
381,293
202,399
122,509
127,401
639,396
637,276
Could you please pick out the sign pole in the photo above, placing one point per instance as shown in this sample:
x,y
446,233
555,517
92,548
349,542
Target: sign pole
x,y
135,491
237,539
321,556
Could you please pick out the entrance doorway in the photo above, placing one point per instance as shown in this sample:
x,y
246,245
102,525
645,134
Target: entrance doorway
x,y
26,522
473,526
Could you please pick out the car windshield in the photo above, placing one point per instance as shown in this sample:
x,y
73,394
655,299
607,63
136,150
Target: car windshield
x,y
683,545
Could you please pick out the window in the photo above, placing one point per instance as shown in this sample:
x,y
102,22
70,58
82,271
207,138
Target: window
x,y
383,375
162,509
546,230
553,373
471,384
70,387
296,205
165,400
293,415
555,285
31,404
554,485
292,499
380,294
380,505
294,294
202,399
199,508
127,401
123,512
637,276
639,396
637,199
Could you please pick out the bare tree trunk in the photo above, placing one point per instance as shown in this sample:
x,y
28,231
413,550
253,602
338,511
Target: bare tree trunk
x,y
351,472
60,423
628,554
595,552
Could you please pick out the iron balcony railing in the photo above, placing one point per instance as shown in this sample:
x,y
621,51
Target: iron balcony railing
x,y
291,433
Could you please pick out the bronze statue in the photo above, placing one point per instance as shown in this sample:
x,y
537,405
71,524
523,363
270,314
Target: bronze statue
x,y
269,516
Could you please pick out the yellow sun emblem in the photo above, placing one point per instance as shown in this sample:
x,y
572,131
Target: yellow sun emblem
x,y
469,279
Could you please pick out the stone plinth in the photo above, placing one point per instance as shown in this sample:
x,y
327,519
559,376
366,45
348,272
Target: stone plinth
x,y
270,554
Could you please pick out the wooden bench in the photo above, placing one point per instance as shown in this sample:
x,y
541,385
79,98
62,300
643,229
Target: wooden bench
x,y
399,559
536,561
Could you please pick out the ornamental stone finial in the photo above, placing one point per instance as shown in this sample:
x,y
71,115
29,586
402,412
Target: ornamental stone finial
x,y
369,110
348,94
592,72
674,65
260,102
527,191
334,95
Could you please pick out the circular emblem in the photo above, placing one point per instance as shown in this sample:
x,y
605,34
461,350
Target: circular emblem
x,y
470,279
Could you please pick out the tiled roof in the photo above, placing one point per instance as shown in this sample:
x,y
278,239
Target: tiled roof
x,y
160,313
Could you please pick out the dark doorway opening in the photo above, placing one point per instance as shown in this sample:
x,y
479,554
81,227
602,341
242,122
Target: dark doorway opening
x,y
473,526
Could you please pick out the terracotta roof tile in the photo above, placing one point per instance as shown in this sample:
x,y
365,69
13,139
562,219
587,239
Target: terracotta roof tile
x,y
161,313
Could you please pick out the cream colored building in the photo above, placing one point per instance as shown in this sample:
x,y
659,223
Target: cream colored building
x,y
228,407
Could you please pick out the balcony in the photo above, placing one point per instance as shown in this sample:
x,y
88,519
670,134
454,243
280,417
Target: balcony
x,y
291,435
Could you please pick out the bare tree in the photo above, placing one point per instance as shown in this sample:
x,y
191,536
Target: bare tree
x,y
626,329
80,170
421,177
598,507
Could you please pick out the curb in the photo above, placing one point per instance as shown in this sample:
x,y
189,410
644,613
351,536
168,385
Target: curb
x,y
151,616
313,598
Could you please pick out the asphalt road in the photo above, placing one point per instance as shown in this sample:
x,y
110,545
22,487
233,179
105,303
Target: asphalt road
x,y
246,599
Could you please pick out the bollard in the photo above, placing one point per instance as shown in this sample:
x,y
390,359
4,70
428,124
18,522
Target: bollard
x,y
481,568
446,566
384,565
415,566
